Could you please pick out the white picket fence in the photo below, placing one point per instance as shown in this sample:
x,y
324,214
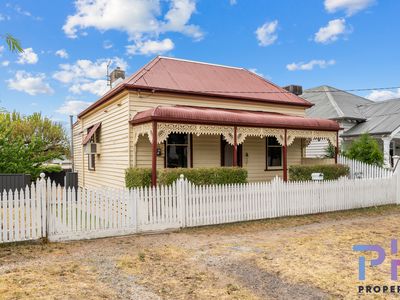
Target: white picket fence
x,y
360,169
23,214
47,210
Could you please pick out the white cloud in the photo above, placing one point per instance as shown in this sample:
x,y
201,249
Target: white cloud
x,y
255,71
107,44
135,17
310,65
62,53
266,34
4,17
22,11
29,83
85,69
5,63
28,57
349,6
150,47
88,76
73,107
1,50
97,87
232,2
331,32
377,95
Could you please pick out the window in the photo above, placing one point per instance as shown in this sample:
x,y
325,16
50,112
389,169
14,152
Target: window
x,y
177,155
92,157
92,162
274,154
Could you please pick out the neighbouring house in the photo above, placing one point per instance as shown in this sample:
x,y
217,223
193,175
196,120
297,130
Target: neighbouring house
x,y
356,115
179,113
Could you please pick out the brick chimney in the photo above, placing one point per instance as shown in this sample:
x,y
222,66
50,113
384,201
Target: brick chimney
x,y
294,89
117,76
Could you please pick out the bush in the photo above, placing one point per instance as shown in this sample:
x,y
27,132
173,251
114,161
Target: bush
x,y
51,169
365,149
330,151
218,175
137,177
331,172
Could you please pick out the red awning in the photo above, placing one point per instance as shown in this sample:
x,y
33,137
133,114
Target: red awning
x,y
216,116
91,133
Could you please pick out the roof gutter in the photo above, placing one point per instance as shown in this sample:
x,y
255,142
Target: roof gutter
x,y
129,87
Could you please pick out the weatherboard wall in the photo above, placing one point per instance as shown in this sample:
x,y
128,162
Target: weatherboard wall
x,y
114,139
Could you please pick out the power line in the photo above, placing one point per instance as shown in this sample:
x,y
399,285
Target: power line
x,y
306,91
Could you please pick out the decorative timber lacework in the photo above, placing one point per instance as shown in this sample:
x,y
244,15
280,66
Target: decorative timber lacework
x,y
164,129
243,132
310,135
142,129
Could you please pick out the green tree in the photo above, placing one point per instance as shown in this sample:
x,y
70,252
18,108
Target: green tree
x,y
13,44
365,149
330,151
26,142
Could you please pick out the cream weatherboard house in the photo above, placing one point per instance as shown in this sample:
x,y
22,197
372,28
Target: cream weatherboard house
x,y
178,113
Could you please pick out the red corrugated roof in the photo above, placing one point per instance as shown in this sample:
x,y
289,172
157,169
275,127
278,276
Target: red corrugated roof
x,y
216,116
189,77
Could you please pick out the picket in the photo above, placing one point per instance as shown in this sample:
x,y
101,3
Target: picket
x,y
360,169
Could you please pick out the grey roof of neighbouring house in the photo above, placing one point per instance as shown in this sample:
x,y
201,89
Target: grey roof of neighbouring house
x,y
332,103
374,117
381,118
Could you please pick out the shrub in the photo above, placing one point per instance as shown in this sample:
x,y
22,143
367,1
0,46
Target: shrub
x,y
137,177
365,149
218,175
331,172
51,169
330,151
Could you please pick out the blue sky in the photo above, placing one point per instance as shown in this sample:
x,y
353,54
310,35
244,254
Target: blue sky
x,y
343,43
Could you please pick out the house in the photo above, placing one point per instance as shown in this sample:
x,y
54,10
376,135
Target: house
x,y
356,115
179,113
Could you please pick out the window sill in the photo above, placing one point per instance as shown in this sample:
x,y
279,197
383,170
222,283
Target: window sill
x,y
269,170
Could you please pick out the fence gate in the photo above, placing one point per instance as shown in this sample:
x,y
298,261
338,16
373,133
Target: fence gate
x,y
22,214
89,213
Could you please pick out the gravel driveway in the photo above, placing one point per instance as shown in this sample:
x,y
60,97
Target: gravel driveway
x,y
288,258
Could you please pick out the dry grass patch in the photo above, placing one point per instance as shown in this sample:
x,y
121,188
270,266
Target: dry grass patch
x,y
323,256
294,221
173,273
69,280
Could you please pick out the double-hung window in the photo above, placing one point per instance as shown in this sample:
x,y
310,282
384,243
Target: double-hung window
x,y
92,157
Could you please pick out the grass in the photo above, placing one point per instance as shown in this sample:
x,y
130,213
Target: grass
x,y
58,281
286,222
314,250
173,274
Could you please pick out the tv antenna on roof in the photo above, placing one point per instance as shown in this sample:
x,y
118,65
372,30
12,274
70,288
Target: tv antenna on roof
x,y
108,74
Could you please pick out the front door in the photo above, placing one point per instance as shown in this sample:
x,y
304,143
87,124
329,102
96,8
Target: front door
x,y
227,154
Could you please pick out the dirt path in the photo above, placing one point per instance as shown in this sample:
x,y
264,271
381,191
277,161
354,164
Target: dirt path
x,y
291,258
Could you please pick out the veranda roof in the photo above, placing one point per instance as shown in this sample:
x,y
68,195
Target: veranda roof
x,y
216,116
91,133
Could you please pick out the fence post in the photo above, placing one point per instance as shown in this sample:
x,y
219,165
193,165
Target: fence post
x,y
181,200
43,204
